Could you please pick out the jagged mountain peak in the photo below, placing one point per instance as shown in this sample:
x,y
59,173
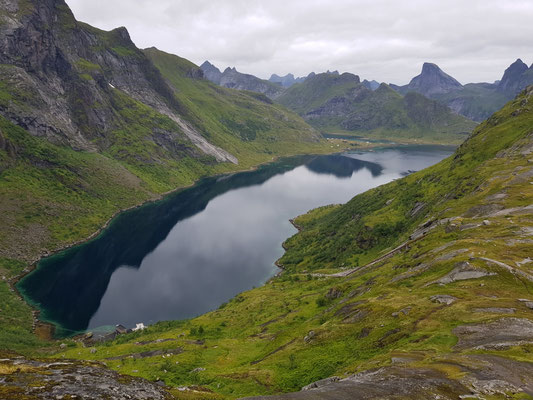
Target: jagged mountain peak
x,y
287,80
122,32
231,78
433,80
512,80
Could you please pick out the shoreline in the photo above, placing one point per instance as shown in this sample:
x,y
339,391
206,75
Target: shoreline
x,y
34,263
277,263
50,327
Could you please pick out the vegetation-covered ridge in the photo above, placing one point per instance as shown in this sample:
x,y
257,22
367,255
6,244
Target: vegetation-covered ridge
x,y
341,104
419,288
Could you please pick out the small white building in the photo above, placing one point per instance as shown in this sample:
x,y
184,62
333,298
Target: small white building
x,y
139,327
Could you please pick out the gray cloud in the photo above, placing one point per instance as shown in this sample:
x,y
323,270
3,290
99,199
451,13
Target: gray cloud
x,y
385,40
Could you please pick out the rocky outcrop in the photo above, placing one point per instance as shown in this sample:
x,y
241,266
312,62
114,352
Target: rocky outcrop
x,y
32,379
483,375
68,80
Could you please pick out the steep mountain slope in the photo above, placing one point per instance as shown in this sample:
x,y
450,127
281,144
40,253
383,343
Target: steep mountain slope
x,y
476,101
340,103
418,289
89,125
516,78
231,78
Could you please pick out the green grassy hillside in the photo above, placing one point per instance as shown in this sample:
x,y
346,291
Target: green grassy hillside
x,y
318,89
476,101
341,104
403,274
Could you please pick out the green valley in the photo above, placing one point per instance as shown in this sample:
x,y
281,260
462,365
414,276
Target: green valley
x,y
429,274
421,287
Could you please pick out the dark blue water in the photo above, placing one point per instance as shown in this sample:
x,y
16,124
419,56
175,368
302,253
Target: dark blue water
x,y
196,249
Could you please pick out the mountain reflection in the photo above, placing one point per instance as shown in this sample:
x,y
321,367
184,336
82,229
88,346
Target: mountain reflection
x,y
68,287
342,166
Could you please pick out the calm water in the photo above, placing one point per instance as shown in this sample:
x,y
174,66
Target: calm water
x,y
188,254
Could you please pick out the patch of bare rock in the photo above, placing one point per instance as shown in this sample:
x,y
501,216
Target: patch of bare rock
x,y
68,380
500,334
463,271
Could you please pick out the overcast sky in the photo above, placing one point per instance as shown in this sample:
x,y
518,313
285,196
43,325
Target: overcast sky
x,y
386,40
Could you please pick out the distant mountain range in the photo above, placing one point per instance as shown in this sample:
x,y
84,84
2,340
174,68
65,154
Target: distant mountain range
x,y
340,103
475,101
287,80
233,79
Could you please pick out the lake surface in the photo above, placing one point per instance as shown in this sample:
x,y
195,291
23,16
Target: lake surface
x,y
196,249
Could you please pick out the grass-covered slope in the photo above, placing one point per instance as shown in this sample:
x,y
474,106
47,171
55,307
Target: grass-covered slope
x,y
428,278
306,96
341,104
476,101
245,122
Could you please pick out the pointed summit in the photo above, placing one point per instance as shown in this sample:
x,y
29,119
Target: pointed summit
x,y
512,77
432,80
211,72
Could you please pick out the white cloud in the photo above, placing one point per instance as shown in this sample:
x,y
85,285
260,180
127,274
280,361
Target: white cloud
x,y
385,40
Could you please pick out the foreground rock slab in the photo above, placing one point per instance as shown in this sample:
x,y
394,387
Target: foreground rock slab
x,y
29,379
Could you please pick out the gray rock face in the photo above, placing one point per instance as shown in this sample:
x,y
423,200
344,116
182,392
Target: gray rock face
x,y
461,272
386,383
233,79
60,69
58,380
501,334
322,382
211,72
484,375
515,78
432,80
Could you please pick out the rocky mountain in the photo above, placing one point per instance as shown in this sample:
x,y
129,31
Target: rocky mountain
x,y
287,80
233,79
476,101
432,81
342,104
515,78
210,72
